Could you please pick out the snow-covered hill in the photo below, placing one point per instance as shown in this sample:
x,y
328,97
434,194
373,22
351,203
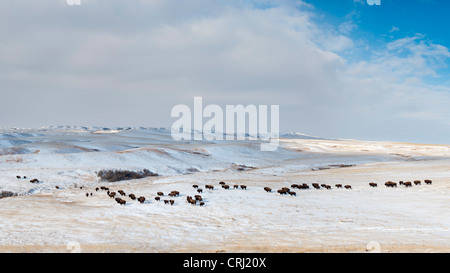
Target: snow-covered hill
x,y
44,218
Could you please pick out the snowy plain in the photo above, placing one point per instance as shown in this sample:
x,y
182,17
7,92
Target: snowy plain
x,y
42,218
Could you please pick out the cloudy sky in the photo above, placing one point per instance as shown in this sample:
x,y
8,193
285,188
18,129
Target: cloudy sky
x,y
340,69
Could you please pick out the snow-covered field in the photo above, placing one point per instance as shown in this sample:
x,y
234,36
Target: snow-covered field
x,y
42,218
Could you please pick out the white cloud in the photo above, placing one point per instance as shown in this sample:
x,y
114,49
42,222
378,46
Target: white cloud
x,y
128,63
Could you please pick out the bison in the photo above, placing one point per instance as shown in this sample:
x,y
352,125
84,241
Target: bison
x,y
195,186
391,184
157,198
338,186
244,187
303,186
347,186
267,189
292,193
226,187
373,185
160,193
132,196
417,182
408,184
141,199
191,200
428,181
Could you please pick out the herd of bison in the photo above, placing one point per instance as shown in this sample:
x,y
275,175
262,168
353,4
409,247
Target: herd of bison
x,y
119,195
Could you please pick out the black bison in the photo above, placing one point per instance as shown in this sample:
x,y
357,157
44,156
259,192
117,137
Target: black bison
x,y
267,189
191,200
171,202
199,190
244,187
294,186
292,193
157,198
112,194
428,181
195,186
160,193
373,184
408,184
121,192
282,191
35,180
235,186
303,186
141,199
416,182
174,193
391,184
132,196
338,185
348,187
222,183
316,185
227,187
202,204
209,187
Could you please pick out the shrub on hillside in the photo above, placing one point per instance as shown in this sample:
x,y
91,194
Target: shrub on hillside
x,y
4,194
119,175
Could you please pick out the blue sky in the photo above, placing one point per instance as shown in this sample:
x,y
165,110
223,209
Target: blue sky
x,y
338,69
393,19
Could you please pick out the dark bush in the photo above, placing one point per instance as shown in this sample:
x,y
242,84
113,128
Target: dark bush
x,y
4,194
119,175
